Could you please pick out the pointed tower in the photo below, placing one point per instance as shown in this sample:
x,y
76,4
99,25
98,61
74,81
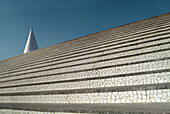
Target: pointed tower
x,y
31,42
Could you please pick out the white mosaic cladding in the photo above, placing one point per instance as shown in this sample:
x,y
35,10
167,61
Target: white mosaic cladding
x,y
103,57
119,35
149,96
157,78
125,65
96,54
142,67
100,64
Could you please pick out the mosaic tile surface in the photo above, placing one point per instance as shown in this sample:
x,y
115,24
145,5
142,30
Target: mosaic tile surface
x,y
121,70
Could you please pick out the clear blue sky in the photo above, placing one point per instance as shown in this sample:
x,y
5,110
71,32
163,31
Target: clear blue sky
x,y
56,21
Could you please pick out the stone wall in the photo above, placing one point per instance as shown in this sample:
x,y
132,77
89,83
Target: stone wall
x,y
124,69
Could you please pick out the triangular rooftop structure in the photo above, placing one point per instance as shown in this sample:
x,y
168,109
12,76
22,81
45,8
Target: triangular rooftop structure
x,y
31,42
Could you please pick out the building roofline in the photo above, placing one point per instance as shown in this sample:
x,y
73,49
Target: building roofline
x,y
92,34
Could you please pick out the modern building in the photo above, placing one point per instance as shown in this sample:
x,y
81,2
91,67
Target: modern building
x,y
123,69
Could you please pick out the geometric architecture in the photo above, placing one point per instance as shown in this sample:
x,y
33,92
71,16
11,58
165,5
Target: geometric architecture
x,y
31,42
119,70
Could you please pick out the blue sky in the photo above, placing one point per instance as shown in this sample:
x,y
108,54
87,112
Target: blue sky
x,y
56,21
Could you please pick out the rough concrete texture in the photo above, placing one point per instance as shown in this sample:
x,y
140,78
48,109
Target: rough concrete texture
x,y
121,70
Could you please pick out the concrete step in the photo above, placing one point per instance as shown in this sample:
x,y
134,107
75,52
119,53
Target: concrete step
x,y
113,45
133,60
101,51
118,82
154,49
100,38
142,96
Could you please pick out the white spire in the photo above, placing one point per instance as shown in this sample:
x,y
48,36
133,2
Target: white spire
x,y
31,42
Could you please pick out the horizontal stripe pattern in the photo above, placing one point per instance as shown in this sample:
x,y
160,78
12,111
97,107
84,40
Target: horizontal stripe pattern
x,y
149,96
128,64
155,23
134,46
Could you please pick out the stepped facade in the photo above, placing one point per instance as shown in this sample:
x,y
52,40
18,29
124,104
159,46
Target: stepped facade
x,y
124,69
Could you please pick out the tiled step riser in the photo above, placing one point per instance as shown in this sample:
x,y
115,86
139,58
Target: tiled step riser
x,y
115,50
104,52
98,70
108,71
20,60
155,48
141,25
153,78
114,44
149,96
114,71
143,57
